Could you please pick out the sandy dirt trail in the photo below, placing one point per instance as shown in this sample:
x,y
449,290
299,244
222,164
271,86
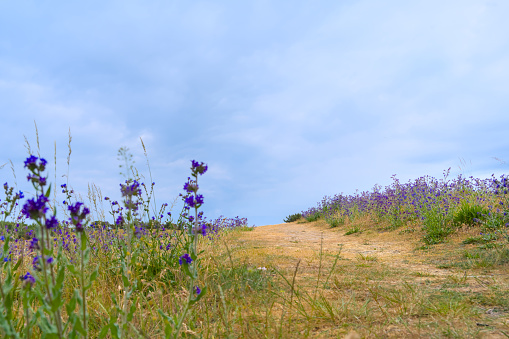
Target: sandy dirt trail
x,y
374,258
300,240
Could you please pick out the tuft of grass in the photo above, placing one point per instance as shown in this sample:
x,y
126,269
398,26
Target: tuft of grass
x,y
469,214
313,217
293,217
367,257
353,230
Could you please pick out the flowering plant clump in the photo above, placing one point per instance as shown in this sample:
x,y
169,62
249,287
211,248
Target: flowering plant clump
x,y
49,266
439,206
189,260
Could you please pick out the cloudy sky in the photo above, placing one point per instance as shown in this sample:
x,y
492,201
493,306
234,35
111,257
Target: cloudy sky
x,y
286,101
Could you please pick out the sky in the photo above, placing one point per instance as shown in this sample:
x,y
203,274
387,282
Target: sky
x,y
286,101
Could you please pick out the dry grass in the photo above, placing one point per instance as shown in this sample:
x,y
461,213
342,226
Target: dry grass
x,y
306,280
380,286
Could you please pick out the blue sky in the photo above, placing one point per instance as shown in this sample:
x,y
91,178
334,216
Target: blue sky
x,y
286,101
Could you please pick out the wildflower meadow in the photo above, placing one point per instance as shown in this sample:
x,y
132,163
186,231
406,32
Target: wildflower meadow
x,y
54,268
69,269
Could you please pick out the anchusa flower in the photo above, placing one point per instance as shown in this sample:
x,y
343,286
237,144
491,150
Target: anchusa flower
x,y
35,263
35,208
193,201
197,289
131,188
31,164
198,168
19,195
185,258
11,199
52,222
68,193
120,221
202,229
28,280
190,186
78,216
34,244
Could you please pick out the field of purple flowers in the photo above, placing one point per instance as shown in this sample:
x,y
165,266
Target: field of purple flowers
x,y
69,276
146,271
437,206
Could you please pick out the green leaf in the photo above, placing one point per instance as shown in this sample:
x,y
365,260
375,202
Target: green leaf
x,y
199,296
93,277
8,305
48,191
48,252
78,326
7,327
94,274
72,269
168,330
60,278
72,335
114,299
132,310
86,256
83,240
71,305
18,263
187,271
6,245
125,280
104,331
46,327
57,301
114,330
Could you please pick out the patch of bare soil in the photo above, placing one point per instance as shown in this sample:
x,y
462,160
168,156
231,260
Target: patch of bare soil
x,y
376,260
300,239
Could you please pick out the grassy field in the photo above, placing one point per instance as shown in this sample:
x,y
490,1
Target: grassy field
x,y
380,284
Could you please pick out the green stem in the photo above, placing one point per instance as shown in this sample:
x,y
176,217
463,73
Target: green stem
x,y
191,283
83,291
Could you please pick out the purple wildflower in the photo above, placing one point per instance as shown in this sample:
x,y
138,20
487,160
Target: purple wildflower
x,y
185,258
28,279
31,162
198,168
130,189
199,199
34,244
51,222
190,201
34,209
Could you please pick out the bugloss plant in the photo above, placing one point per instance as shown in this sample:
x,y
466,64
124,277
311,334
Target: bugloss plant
x,y
189,260
312,214
335,219
43,285
437,206
41,301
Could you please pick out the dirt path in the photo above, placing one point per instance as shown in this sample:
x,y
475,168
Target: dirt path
x,y
300,240
421,290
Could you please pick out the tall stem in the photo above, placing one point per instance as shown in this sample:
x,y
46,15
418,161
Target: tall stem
x,y
83,291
